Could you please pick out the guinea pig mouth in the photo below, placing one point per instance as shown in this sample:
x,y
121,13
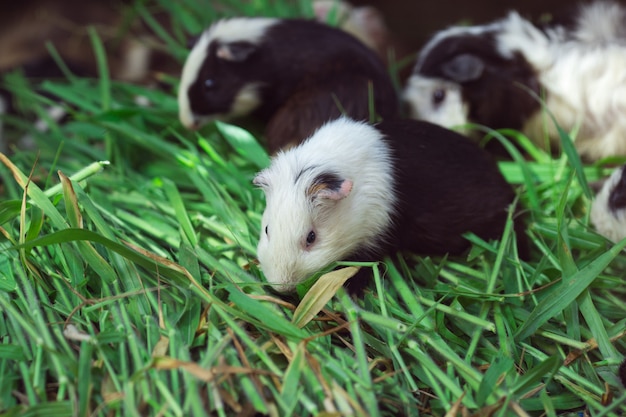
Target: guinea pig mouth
x,y
282,285
283,288
193,125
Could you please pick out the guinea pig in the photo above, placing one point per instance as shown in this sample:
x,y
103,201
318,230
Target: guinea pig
x,y
608,210
294,75
354,191
494,74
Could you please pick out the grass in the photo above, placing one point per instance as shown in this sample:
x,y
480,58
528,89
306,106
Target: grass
x,y
129,287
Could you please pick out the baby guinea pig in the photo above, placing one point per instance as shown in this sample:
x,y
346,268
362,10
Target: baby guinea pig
x,y
291,74
354,191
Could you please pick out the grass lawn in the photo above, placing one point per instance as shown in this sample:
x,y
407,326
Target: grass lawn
x,y
128,283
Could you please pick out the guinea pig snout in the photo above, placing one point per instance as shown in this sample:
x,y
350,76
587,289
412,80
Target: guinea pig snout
x,y
279,275
281,284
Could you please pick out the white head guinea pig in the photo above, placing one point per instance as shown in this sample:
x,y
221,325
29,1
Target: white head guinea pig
x,y
317,195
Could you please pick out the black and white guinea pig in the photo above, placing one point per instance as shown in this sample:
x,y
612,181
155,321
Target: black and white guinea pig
x,y
487,74
608,210
354,191
293,75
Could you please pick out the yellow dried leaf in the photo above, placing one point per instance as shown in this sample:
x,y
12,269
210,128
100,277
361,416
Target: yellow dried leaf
x,y
320,293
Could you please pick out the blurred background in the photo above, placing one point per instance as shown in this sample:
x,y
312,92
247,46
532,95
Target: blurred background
x,y
54,39
134,53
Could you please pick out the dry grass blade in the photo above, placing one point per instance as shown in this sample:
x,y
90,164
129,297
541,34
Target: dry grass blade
x,y
207,375
320,293
456,407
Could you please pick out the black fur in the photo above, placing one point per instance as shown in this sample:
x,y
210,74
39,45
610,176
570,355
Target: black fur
x,y
310,73
302,172
446,186
226,77
498,97
328,180
617,198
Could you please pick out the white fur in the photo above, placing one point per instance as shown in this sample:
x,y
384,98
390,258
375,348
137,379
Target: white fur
x,y
246,100
225,31
517,34
586,87
601,22
583,76
610,224
353,150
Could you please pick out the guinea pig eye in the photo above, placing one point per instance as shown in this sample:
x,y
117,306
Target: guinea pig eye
x,y
310,238
439,95
266,232
209,84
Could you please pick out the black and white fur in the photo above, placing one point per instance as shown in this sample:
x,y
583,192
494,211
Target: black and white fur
x,y
293,75
608,210
483,74
353,191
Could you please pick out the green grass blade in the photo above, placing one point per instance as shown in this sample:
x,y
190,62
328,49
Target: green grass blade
x,y
567,292
244,143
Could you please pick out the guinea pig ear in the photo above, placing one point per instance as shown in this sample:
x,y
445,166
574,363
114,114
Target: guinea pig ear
x,y
463,68
261,180
329,187
235,51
